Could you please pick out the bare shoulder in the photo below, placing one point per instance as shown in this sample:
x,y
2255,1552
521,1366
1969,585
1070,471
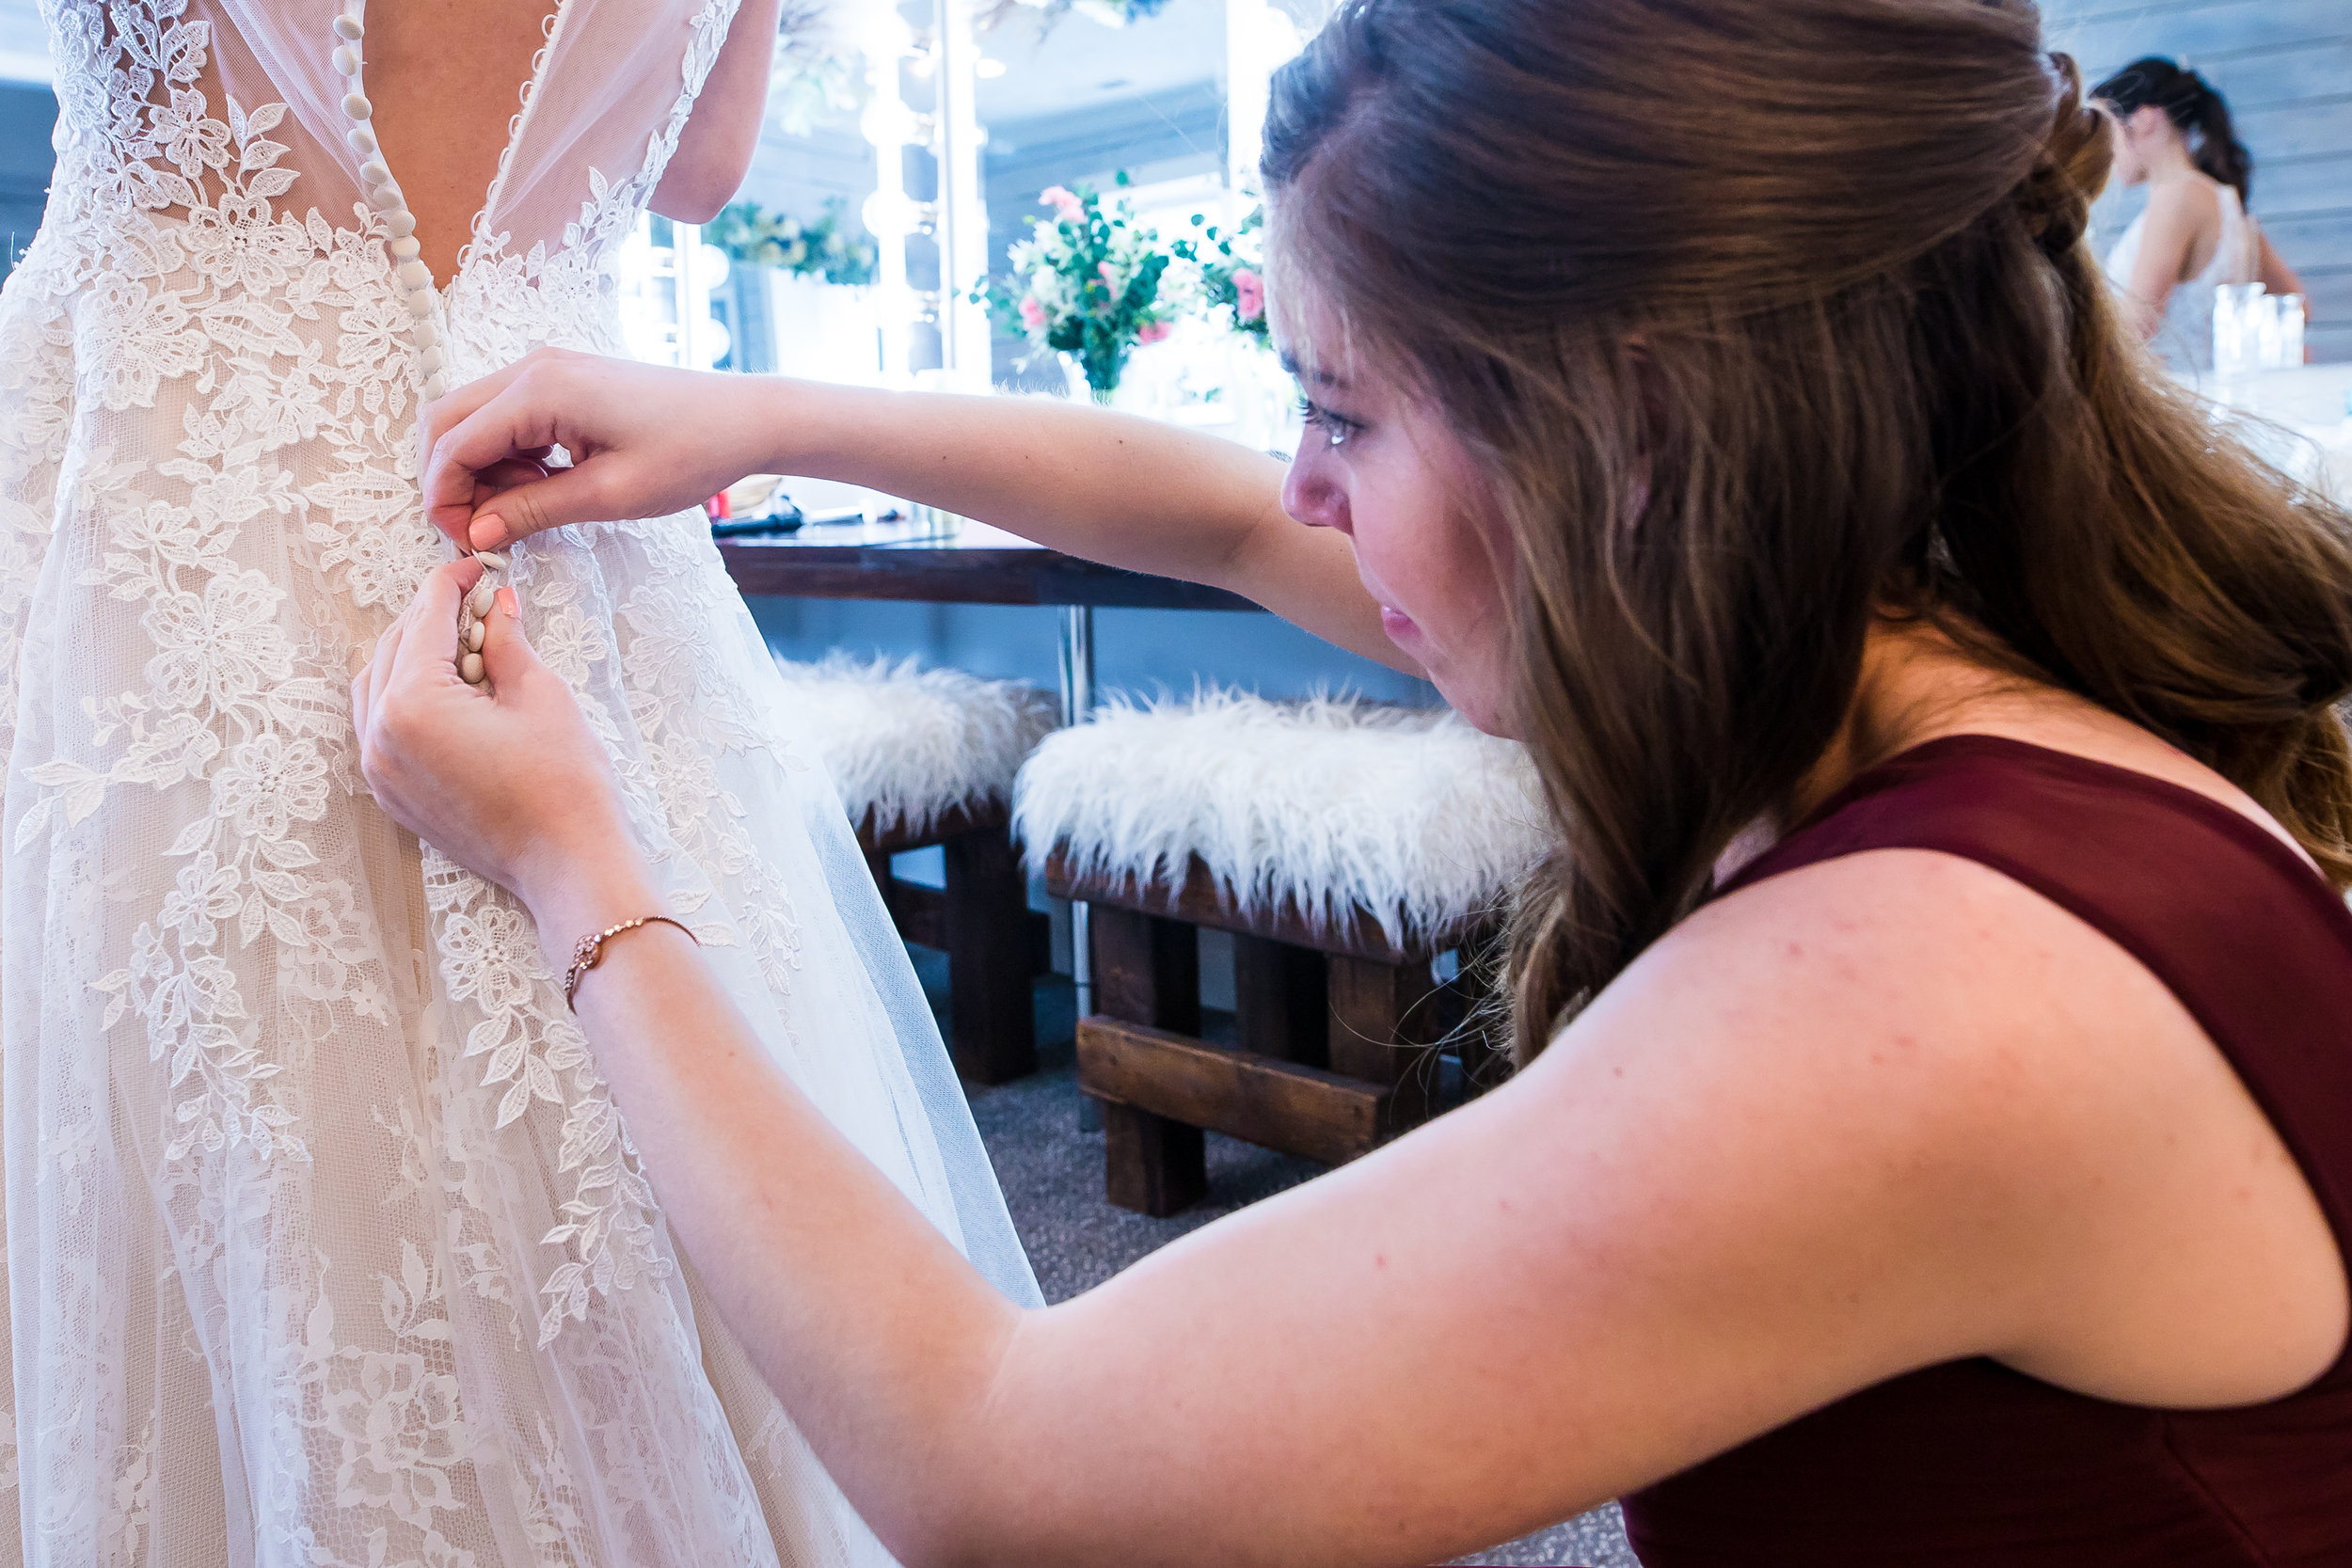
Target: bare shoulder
x,y
2122,1217
2188,202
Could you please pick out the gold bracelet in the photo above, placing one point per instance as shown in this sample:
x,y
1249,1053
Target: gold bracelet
x,y
590,950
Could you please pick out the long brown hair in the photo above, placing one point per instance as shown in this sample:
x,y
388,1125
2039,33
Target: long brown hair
x,y
1764,317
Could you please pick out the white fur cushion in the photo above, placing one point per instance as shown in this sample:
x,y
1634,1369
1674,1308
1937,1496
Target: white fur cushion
x,y
1412,814
908,743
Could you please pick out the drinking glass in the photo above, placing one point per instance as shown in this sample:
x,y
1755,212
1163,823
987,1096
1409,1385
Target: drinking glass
x,y
2234,342
2263,327
2292,317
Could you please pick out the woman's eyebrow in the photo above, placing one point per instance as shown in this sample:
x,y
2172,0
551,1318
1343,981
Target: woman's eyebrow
x,y
1319,376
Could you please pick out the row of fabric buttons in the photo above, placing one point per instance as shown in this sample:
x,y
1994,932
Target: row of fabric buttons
x,y
416,280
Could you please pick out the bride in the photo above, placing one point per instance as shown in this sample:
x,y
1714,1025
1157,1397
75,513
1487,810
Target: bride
x,y
325,1244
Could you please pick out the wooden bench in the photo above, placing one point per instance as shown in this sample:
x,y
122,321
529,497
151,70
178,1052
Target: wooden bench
x,y
996,946
1340,1030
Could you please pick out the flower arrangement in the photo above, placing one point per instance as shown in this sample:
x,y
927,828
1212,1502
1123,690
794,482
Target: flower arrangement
x,y
1086,283
1232,271
820,249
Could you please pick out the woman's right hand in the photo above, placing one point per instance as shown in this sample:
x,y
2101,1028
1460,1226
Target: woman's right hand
x,y
645,441
507,779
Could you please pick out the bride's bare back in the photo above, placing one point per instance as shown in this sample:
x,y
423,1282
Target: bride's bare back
x,y
446,78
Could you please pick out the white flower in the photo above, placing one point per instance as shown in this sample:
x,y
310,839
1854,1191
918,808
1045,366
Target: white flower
x,y
270,783
486,955
237,244
207,891
224,648
402,1432
568,642
386,567
185,134
133,339
375,333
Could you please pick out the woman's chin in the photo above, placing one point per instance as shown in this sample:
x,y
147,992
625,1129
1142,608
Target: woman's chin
x,y
1479,703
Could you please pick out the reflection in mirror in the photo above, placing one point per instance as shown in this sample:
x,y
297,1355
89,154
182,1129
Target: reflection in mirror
x,y
905,156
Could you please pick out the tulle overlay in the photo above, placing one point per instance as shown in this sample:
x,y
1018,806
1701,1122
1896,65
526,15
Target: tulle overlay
x,y
325,1245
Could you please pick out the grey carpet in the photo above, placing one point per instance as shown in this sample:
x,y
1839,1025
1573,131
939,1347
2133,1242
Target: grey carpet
x,y
1053,1178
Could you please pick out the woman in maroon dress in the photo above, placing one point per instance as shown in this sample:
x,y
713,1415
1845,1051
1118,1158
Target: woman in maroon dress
x,y
1934,1141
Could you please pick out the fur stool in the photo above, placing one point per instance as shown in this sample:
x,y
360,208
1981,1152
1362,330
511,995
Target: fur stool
x,y
928,756
1346,846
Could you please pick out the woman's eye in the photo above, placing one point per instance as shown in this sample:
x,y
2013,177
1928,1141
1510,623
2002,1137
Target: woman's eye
x,y
1336,428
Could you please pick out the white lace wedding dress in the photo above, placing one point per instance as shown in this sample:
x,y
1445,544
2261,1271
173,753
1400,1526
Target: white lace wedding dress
x,y
325,1244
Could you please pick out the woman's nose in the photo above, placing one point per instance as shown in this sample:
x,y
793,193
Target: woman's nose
x,y
1313,499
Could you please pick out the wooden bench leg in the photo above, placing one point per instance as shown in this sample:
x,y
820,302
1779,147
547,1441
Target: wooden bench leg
x,y
1382,1026
990,1008
1152,1165
1279,1000
1148,971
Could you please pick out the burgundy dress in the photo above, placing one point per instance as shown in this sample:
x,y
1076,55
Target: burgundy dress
x,y
1972,1463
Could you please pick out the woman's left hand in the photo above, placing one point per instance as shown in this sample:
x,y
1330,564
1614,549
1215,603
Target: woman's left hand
x,y
509,780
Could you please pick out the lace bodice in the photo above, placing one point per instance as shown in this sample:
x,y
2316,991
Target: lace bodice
x,y
211,136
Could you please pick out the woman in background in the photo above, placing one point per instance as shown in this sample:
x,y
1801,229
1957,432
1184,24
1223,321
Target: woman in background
x,y
2172,133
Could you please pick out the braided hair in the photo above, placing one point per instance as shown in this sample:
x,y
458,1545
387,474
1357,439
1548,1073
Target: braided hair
x,y
2201,114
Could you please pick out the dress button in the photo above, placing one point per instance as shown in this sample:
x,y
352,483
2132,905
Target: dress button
x,y
400,223
421,304
433,387
356,104
425,333
346,60
387,197
413,275
406,250
470,668
376,171
429,360
361,140
348,27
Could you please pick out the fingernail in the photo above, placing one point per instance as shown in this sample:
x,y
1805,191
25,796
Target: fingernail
x,y
505,597
488,532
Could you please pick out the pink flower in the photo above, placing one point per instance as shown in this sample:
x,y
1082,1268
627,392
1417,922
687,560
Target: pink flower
x,y
1064,202
1249,296
1152,332
1109,277
1032,314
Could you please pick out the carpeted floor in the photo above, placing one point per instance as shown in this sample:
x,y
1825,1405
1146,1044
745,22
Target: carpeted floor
x,y
1053,1178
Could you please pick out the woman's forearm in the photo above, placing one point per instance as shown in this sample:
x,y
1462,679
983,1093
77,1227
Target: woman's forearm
x,y
1108,487
647,441
877,1336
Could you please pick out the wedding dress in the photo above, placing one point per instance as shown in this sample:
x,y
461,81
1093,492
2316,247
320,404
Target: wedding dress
x,y
325,1245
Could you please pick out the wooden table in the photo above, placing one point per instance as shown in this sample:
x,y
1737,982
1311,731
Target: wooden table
x,y
974,564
